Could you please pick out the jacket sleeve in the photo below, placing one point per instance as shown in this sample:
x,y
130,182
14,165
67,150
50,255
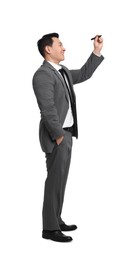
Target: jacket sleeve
x,y
43,85
87,69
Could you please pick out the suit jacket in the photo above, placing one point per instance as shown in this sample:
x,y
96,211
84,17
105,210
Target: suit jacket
x,y
52,98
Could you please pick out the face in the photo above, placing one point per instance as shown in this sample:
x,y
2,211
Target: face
x,y
56,51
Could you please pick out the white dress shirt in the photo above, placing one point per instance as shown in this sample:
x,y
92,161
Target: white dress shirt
x,y
69,120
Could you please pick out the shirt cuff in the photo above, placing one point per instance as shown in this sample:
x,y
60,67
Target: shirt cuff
x,y
99,55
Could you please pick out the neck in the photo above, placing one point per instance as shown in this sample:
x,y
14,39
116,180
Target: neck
x,y
52,60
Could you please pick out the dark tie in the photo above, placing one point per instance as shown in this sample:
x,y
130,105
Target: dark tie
x,y
72,99
63,73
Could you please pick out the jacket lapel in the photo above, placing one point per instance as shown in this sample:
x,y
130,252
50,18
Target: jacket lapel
x,y
47,64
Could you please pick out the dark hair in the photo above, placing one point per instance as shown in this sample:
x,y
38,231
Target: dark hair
x,y
46,40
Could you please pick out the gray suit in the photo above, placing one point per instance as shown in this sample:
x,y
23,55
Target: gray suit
x,y
53,103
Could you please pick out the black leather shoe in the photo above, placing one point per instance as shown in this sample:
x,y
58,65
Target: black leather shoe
x,y
65,227
56,235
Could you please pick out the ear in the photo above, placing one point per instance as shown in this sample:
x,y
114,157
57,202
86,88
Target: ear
x,y
48,49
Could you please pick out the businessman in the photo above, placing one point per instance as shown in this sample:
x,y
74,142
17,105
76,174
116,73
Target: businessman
x,y
53,87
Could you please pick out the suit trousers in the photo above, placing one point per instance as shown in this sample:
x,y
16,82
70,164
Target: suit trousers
x,y
57,163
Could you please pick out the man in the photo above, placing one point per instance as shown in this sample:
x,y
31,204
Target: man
x,y
53,87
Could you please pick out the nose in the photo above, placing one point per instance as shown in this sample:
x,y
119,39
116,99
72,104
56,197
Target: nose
x,y
63,48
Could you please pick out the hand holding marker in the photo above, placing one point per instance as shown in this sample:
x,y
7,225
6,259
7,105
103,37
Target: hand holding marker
x,y
95,37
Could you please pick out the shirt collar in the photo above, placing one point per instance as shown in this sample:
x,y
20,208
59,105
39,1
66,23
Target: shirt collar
x,y
56,66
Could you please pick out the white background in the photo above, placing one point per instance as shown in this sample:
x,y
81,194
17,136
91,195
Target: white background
x,y
101,194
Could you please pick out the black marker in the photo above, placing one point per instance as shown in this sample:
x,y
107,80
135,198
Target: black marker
x,y
95,37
